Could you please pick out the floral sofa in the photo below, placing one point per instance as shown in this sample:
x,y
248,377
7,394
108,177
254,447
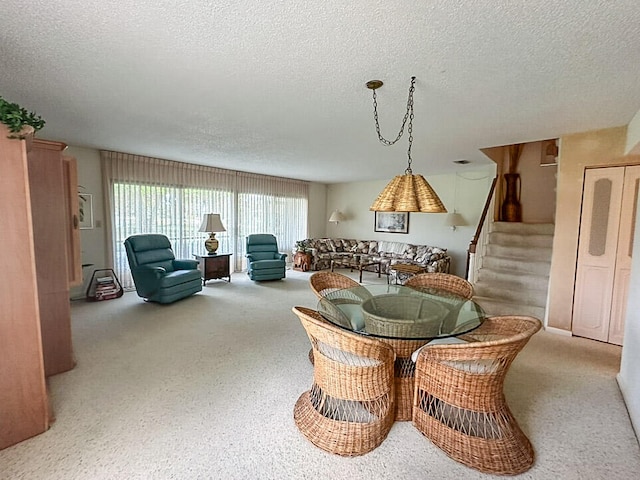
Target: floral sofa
x,y
323,250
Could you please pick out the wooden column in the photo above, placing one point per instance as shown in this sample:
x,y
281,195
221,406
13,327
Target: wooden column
x,y
48,205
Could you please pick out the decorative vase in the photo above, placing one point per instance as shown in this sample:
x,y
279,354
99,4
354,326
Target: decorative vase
x,y
511,210
211,243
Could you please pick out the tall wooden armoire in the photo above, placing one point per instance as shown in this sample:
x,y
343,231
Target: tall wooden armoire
x,y
39,242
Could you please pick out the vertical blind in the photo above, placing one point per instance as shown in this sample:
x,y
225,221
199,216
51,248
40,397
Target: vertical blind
x,y
150,195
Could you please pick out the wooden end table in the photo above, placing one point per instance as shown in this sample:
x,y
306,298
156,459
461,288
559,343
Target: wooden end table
x,y
302,262
214,266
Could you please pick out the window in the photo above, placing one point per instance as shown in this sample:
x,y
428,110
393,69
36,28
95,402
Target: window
x,y
158,196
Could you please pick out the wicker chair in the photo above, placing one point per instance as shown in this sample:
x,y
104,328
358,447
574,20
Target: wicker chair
x,y
441,281
325,282
349,409
459,403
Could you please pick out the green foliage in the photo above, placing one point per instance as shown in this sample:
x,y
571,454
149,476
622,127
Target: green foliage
x,y
15,117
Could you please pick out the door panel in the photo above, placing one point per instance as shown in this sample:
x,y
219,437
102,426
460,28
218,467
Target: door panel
x,y
623,255
597,247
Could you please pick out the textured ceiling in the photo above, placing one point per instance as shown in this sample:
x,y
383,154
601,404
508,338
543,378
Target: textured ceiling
x,y
279,87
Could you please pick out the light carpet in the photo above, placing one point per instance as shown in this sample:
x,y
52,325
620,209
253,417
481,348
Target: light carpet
x,y
204,389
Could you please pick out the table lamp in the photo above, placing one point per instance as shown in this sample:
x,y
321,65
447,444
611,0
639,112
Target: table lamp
x,y
211,223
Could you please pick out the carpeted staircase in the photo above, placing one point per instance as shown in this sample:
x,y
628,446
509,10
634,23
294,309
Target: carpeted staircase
x,y
515,270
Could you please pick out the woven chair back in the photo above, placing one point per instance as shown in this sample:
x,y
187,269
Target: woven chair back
x,y
324,282
442,281
459,402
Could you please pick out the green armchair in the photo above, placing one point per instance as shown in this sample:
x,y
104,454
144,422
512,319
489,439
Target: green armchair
x,y
263,259
157,275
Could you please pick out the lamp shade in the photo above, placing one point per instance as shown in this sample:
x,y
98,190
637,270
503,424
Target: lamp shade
x,y
408,193
211,223
336,216
454,220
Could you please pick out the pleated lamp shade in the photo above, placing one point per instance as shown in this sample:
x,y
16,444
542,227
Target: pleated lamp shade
x,y
408,193
336,217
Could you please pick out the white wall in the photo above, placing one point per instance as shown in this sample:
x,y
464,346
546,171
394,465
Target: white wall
x,y
465,191
318,215
629,376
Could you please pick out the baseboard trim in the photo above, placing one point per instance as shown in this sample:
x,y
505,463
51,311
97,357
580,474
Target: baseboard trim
x,y
559,331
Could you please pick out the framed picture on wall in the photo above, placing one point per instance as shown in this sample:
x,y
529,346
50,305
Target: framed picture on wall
x,y
85,210
391,222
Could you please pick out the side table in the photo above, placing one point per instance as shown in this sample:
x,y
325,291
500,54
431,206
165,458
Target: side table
x,y
302,262
214,266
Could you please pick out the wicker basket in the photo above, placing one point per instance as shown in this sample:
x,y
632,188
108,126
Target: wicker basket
x,y
403,316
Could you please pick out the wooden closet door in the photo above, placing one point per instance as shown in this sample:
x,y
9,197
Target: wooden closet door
x,y
623,255
597,249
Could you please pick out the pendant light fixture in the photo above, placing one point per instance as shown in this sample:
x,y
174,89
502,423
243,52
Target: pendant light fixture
x,y
408,192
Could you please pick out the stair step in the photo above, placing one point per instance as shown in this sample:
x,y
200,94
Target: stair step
x,y
515,265
513,280
524,228
527,296
512,251
496,307
519,239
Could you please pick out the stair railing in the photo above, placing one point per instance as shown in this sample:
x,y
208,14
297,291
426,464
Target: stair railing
x,y
476,250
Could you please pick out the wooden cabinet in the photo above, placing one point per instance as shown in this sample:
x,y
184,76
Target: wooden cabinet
x,y
214,266
302,262
49,200
23,395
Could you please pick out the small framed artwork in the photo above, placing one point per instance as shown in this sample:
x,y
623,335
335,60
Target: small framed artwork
x,y
391,222
85,210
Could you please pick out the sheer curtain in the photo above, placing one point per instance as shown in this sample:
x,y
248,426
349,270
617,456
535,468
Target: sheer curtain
x,y
150,195
271,205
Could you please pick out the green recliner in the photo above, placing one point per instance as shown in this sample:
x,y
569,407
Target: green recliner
x,y
263,259
157,275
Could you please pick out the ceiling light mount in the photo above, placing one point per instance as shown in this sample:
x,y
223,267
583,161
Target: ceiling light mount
x,y
374,84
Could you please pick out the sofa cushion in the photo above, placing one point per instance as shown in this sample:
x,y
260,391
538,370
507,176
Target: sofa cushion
x,y
361,247
324,245
393,248
424,252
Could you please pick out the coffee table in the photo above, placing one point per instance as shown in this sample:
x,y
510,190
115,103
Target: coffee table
x,y
407,269
355,262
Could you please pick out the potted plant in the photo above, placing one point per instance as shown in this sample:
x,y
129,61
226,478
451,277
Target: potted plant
x,y
302,246
20,121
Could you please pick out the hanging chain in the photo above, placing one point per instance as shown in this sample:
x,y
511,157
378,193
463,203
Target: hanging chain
x,y
410,128
407,116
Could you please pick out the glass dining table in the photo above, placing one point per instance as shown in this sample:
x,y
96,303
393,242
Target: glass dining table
x,y
404,317
400,312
